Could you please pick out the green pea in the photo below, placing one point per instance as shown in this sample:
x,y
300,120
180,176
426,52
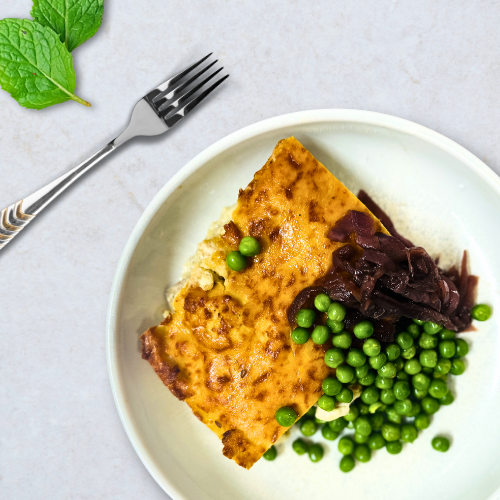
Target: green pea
x,y
401,390
409,353
285,416
305,318
387,396
428,358
416,408
462,348
418,322
481,312
377,421
362,371
315,452
443,366
353,413
326,403
363,330
403,407
236,261
378,361
446,334
420,393
370,395
383,383
362,453
422,421
413,330
372,347
320,334
362,425
334,358
360,438
388,370
347,463
376,441
300,335
391,432
409,433
344,373
421,381
300,446
308,427
399,364
319,421
432,328
447,399
393,351
331,386
356,358
427,370
441,444
336,311
430,405
342,340
401,375
427,341
249,246
393,416
412,367
327,433
404,340
322,302
270,454
345,395
368,379
335,326
346,446
363,409
338,425
395,447
438,388
447,348
457,367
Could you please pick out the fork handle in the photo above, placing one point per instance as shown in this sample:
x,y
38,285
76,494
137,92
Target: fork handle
x,y
15,218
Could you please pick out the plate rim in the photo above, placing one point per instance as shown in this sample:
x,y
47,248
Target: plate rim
x,y
262,127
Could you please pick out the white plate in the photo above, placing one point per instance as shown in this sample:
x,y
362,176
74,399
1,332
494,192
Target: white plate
x,y
440,195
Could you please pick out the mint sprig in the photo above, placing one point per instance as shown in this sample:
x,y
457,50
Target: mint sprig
x,y
74,20
35,66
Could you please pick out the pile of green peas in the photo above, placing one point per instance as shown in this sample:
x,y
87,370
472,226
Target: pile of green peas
x,y
237,260
403,383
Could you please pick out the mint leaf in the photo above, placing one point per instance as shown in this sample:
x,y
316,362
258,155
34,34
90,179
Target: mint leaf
x,y
35,67
75,20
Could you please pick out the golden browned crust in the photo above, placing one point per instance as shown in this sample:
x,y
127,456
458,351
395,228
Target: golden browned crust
x,y
227,351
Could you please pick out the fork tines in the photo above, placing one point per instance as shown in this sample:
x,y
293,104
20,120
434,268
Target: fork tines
x,y
175,98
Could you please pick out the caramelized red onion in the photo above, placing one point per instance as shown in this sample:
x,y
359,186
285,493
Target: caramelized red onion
x,y
389,278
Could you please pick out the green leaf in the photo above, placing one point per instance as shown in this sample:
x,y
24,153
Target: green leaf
x,y
75,20
35,67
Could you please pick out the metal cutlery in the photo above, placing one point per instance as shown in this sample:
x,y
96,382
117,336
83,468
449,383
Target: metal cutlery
x,y
156,113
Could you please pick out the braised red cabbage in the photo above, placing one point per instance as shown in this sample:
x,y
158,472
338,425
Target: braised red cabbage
x,y
386,278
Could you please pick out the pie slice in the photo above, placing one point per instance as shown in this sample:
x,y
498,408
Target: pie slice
x,y
226,349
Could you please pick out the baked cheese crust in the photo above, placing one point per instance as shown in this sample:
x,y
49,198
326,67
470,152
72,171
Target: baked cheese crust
x,y
226,348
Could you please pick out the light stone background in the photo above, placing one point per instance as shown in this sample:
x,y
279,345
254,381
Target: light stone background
x,y
434,62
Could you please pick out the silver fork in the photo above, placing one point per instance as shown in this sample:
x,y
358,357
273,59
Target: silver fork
x,y
157,112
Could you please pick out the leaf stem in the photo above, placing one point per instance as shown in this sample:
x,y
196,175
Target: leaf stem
x,y
81,101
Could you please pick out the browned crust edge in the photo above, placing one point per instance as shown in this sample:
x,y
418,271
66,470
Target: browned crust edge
x,y
152,347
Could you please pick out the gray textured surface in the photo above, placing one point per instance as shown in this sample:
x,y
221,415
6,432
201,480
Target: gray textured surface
x,y
436,63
